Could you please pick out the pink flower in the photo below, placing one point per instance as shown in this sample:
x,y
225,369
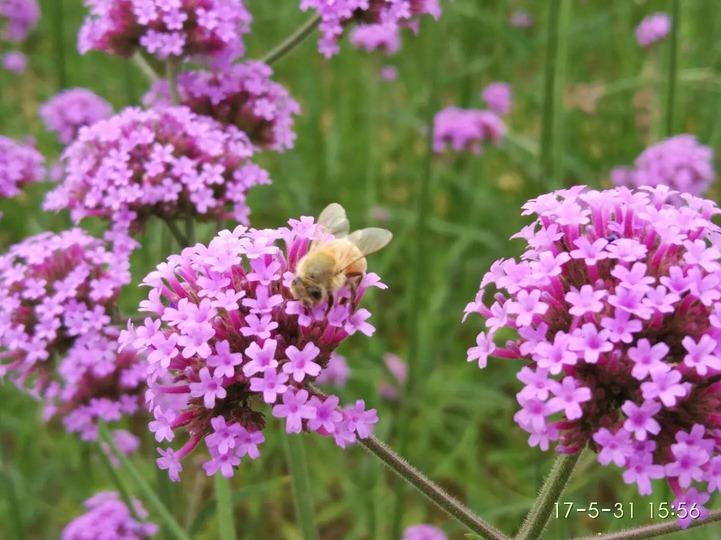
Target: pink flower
x,y
498,97
294,409
300,363
653,28
108,516
639,419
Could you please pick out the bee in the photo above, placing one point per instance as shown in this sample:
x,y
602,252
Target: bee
x,y
331,263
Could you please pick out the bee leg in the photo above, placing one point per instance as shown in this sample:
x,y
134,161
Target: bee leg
x,y
331,301
354,281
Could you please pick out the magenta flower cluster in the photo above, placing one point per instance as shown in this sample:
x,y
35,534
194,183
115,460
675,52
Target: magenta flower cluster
x,y
108,516
20,164
70,110
243,95
386,16
57,289
423,532
225,335
14,62
212,29
615,304
466,129
679,162
17,19
385,37
167,162
499,97
652,29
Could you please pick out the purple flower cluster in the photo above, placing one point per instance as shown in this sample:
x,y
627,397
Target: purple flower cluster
x,y
466,129
498,97
226,334
71,110
14,62
58,292
211,29
167,162
107,516
386,16
18,18
652,29
679,162
615,304
398,369
423,532
377,37
243,95
336,372
20,164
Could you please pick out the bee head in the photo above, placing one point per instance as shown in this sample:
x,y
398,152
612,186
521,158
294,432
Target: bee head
x,y
308,293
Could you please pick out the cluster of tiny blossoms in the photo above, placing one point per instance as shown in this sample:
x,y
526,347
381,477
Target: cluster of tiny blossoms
x,y
20,164
108,516
56,338
499,97
17,19
167,162
212,29
615,303
226,335
652,29
243,95
377,37
466,129
70,110
423,532
679,162
386,17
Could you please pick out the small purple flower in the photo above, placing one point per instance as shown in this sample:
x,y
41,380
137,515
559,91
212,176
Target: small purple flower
x,y
20,164
377,37
300,363
17,19
294,409
107,516
336,372
653,28
15,62
70,110
640,419
466,129
423,532
498,97
521,19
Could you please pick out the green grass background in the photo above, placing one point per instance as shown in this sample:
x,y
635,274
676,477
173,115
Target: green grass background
x,y
364,143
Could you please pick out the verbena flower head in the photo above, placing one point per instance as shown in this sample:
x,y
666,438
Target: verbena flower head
x,y
224,336
398,368
498,97
391,14
377,37
167,162
107,516
20,164
243,95
18,18
615,307
14,62
466,129
653,28
212,29
336,373
57,289
679,162
423,532
72,109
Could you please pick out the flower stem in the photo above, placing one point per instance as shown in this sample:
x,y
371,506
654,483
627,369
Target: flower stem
x,y
13,503
148,70
292,41
295,455
550,492
180,238
172,527
171,74
433,492
59,43
224,505
559,15
119,484
673,67
652,531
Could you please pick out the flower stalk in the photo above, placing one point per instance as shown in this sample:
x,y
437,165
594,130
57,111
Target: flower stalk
x,y
295,455
673,68
292,41
171,74
145,67
224,505
551,490
119,484
653,531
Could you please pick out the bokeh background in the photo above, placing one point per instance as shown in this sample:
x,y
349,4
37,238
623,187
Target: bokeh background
x,y
581,107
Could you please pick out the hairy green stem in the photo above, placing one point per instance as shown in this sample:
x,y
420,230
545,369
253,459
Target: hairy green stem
x,y
292,41
147,70
119,484
551,490
224,505
432,491
171,74
557,32
673,67
295,455
652,531
172,527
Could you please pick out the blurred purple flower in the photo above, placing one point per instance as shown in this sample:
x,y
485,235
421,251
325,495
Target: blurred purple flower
x,y
679,162
336,373
466,129
167,162
243,95
178,29
423,532
653,28
18,18
107,516
498,97
617,294
20,164
521,19
398,369
389,73
72,109
374,37
15,62
211,359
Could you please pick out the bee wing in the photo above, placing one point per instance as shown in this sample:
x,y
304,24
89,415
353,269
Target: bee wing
x,y
370,240
333,218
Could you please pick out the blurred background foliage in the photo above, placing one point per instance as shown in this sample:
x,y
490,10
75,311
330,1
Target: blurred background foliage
x,y
364,142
